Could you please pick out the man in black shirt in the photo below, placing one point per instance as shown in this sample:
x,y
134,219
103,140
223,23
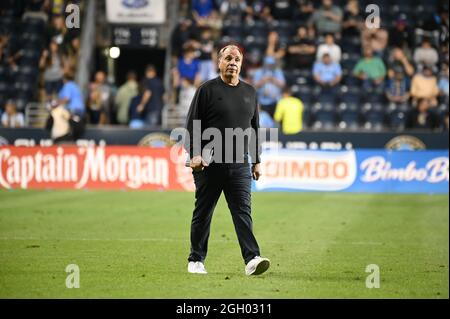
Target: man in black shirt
x,y
152,100
225,103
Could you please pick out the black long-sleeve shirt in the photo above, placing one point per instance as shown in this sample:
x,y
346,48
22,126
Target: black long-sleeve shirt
x,y
219,105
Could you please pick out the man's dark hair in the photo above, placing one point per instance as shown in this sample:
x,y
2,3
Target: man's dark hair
x,y
131,75
150,67
69,76
287,89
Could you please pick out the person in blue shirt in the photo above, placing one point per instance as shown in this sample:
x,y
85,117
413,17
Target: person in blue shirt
x,y
327,74
269,81
71,96
265,120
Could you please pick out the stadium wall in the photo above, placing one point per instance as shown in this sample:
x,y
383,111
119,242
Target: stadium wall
x,y
149,168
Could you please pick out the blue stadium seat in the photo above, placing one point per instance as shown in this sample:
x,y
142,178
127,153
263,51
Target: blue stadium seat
x,y
349,119
324,120
303,92
350,97
306,118
397,120
374,120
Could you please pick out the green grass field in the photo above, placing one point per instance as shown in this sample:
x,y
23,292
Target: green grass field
x,y
135,245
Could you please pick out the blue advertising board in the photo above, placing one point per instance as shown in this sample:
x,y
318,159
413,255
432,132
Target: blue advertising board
x,y
371,171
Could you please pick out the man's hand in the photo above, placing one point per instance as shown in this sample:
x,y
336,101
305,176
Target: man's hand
x,y
140,108
256,171
197,163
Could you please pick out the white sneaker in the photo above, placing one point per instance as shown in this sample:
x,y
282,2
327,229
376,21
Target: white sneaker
x,y
257,266
196,267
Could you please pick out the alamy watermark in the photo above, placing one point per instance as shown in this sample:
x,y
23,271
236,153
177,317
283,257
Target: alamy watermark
x,y
373,20
373,280
73,277
73,17
229,145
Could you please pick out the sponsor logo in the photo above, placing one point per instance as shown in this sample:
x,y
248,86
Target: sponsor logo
x,y
328,171
134,4
405,142
82,167
377,168
156,140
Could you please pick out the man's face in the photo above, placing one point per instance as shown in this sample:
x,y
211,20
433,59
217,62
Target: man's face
x,y
230,62
327,3
302,33
326,59
100,77
368,53
10,109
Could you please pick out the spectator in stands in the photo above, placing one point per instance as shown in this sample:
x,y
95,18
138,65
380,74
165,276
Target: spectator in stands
x,y
265,120
187,93
422,117
11,118
397,88
399,62
282,9
275,48
301,50
425,85
426,55
444,53
188,67
445,122
73,53
99,100
52,62
152,101
205,13
375,38
370,70
289,113
233,10
122,100
443,81
329,47
11,52
353,20
58,123
401,35
438,21
327,74
183,32
4,38
303,10
137,114
269,81
207,55
58,31
327,19
257,10
70,96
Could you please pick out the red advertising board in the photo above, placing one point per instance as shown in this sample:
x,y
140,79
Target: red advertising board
x,y
109,167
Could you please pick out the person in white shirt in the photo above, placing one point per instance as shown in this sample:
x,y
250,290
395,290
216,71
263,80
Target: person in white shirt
x,y
330,48
11,118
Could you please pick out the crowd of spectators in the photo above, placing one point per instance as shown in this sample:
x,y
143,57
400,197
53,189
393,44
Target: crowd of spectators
x,y
319,64
327,54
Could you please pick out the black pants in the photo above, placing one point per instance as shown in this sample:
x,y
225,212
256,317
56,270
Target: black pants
x,y
235,181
